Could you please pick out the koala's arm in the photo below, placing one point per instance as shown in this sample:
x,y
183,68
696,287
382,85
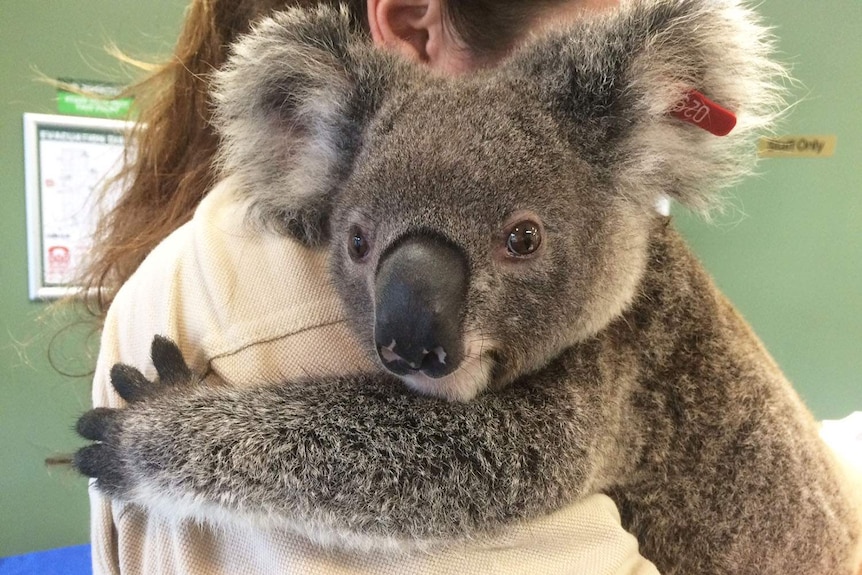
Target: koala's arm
x,y
352,457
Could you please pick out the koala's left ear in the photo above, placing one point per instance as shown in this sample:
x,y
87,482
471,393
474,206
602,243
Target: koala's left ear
x,y
614,80
291,106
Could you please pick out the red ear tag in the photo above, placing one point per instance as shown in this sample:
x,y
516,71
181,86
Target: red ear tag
x,y
697,109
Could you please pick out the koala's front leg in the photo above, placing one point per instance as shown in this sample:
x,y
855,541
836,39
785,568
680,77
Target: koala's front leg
x,y
357,458
105,460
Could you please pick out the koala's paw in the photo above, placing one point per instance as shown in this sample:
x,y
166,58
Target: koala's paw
x,y
103,460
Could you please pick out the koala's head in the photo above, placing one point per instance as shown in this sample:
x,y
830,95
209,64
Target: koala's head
x,y
480,225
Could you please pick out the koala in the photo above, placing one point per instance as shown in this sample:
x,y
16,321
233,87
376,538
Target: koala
x,y
542,331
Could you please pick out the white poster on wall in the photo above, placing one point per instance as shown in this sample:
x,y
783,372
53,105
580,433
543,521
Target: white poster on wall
x,y
69,161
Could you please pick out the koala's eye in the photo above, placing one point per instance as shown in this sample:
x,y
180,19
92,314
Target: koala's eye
x,y
524,238
357,245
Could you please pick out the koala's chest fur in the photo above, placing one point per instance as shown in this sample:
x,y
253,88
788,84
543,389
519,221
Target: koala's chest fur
x,y
696,419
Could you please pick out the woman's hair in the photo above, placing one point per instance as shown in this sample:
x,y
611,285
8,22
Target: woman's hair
x,y
169,164
169,167
490,28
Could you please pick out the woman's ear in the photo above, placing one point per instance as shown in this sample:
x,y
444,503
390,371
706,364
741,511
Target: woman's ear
x,y
405,26
416,30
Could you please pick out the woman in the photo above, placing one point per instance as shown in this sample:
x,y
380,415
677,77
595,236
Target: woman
x,y
246,305
172,167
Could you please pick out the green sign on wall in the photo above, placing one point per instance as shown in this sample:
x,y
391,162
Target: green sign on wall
x,y
94,99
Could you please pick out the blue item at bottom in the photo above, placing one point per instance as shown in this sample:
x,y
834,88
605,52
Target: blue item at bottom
x,y
64,561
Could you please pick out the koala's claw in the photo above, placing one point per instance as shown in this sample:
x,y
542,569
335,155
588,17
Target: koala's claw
x,y
96,423
169,363
172,370
131,384
103,460
93,460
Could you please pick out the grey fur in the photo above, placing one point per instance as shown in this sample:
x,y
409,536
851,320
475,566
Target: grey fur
x,y
607,362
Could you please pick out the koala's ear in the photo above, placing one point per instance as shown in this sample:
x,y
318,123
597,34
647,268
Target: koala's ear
x,y
614,79
291,106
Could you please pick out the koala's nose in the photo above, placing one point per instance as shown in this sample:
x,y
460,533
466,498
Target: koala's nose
x,y
420,290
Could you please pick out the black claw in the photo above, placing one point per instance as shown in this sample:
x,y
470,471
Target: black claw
x,y
94,424
130,383
100,462
169,362
90,460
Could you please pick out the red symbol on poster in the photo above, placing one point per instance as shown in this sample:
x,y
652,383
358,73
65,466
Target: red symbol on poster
x,y
59,258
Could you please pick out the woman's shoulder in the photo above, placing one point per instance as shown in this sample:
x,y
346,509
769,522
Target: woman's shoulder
x,y
218,284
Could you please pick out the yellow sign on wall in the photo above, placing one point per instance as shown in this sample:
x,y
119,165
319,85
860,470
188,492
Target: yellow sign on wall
x,y
797,147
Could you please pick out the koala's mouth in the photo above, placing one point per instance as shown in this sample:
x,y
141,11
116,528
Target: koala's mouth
x,y
473,375
433,362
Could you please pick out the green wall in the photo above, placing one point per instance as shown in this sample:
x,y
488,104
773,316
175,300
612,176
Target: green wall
x,y
41,507
788,251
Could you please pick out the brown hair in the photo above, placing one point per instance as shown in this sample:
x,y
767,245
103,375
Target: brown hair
x,y
493,27
170,168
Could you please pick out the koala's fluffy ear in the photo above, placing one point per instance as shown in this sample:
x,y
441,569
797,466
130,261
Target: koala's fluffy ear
x,y
291,105
614,78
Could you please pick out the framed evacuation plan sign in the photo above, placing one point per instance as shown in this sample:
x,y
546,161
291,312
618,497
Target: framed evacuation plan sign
x,y
68,161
